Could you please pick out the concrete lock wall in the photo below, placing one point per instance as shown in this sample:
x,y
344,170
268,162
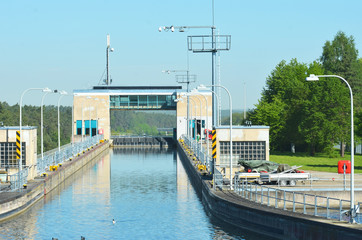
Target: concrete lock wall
x,y
269,222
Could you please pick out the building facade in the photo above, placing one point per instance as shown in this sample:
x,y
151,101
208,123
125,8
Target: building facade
x,y
8,160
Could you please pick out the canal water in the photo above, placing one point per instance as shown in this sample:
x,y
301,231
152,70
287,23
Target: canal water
x,y
146,191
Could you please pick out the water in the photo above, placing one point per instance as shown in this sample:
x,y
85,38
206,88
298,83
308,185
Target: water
x,y
147,192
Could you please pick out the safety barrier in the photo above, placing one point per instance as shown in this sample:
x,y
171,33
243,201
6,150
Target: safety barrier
x,y
305,203
52,160
14,179
66,152
199,151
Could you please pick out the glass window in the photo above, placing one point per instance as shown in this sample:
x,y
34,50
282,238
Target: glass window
x,y
8,154
133,101
245,150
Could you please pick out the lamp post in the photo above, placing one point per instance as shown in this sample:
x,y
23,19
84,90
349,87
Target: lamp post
x,y
20,123
313,77
218,123
62,93
231,121
41,120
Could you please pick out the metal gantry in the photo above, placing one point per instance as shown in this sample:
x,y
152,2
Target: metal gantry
x,y
203,44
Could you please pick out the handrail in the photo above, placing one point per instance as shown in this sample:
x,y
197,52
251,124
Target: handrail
x,y
305,203
51,158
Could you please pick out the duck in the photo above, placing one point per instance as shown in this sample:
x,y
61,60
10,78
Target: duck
x,y
114,221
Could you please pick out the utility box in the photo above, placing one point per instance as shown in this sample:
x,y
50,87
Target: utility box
x,y
344,166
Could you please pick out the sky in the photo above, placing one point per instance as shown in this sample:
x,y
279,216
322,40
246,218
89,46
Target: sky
x,y
62,44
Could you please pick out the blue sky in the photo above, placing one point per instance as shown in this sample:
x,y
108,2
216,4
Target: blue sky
x,y
61,44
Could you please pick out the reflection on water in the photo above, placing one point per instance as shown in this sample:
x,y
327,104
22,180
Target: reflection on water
x,y
146,191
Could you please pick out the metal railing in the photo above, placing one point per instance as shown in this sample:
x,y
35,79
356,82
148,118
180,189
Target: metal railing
x,y
301,202
14,179
305,203
199,151
51,158
55,157
218,179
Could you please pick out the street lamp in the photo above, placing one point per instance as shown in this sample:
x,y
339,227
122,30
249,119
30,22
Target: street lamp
x,y
62,93
47,91
313,77
20,154
231,121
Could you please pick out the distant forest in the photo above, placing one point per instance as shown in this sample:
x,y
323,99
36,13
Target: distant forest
x,y
122,122
133,122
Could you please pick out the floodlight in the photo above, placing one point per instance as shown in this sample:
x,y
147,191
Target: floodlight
x,y
47,90
312,77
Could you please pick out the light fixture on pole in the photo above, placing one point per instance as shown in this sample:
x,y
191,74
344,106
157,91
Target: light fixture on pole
x,y
20,154
47,91
62,93
313,77
231,123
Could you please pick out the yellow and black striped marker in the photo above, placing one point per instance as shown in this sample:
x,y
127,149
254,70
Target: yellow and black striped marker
x,y
18,145
214,144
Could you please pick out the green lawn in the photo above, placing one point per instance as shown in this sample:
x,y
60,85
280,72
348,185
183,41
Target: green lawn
x,y
320,162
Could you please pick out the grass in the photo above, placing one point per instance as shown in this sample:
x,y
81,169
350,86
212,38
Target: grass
x,y
320,162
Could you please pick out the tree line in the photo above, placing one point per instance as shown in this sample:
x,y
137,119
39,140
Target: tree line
x,y
134,122
313,116
31,116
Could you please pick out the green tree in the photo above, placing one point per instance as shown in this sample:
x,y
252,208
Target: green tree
x,y
272,114
340,57
312,116
281,104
